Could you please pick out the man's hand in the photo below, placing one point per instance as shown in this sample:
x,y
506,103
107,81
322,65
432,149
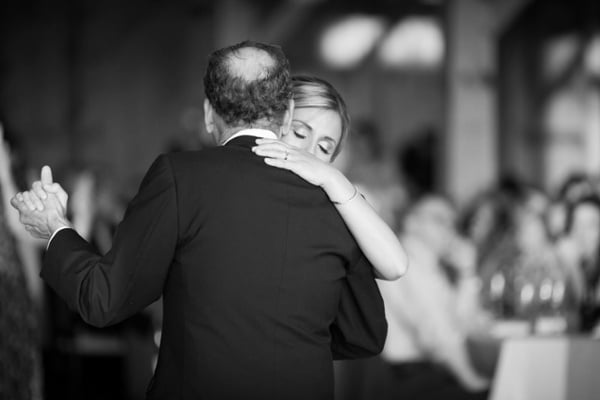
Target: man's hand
x,y
43,209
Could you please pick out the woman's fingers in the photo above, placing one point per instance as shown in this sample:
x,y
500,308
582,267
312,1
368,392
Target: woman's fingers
x,y
39,190
260,141
278,155
297,161
278,162
32,201
273,150
271,145
268,151
281,155
60,193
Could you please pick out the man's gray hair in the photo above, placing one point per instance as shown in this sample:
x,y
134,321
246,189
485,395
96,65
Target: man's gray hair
x,y
248,82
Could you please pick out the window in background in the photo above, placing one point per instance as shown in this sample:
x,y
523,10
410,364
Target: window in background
x,y
572,111
349,41
415,42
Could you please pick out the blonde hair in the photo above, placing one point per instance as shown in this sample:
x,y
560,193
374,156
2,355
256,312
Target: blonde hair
x,y
312,92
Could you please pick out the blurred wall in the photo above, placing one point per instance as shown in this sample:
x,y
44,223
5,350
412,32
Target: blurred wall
x,y
402,103
549,92
109,84
34,77
105,84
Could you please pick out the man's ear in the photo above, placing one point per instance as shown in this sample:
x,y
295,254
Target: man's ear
x,y
209,117
287,119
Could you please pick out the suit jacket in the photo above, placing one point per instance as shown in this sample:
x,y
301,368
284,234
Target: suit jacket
x,y
251,262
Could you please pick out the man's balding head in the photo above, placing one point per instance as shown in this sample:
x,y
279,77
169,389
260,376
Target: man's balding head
x,y
250,64
249,85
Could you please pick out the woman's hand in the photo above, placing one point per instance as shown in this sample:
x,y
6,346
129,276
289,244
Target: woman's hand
x,y
300,162
375,238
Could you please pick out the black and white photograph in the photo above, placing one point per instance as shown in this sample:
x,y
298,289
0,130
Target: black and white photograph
x,y
299,200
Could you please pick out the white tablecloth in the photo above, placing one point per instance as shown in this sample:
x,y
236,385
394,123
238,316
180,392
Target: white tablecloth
x,y
548,368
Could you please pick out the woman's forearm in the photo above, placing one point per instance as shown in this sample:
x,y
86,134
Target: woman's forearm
x,y
375,238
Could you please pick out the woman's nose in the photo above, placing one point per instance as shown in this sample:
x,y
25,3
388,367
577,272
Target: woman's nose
x,y
313,147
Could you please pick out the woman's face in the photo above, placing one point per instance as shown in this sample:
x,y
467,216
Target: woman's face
x,y
315,130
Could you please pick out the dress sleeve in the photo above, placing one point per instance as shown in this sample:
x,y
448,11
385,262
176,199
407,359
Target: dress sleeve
x,y
107,289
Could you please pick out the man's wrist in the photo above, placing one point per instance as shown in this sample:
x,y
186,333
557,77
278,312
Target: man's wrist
x,y
55,233
58,226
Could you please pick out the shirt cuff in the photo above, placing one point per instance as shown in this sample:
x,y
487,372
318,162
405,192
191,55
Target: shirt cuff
x,y
54,234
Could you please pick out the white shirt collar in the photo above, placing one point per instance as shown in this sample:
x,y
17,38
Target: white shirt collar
x,y
260,133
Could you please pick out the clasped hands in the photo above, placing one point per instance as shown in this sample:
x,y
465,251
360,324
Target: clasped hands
x,y
43,208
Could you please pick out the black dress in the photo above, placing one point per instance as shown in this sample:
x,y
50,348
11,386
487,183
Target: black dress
x,y
18,343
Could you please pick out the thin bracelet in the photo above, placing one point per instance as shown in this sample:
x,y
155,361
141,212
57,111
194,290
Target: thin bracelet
x,y
340,203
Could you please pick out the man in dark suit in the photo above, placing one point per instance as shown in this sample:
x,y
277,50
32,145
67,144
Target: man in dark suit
x,y
251,261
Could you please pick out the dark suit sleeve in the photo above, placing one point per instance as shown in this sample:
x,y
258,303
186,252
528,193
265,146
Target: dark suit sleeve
x,y
360,327
107,289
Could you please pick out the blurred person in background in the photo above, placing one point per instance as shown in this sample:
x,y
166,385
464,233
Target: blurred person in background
x,y
430,314
520,271
417,160
484,222
576,187
366,164
20,295
578,250
95,206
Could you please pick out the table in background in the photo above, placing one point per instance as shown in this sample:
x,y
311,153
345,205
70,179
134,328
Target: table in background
x,y
548,368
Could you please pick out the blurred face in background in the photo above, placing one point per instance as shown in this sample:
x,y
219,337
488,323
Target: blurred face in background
x,y
530,223
315,130
433,221
585,228
556,218
530,229
482,223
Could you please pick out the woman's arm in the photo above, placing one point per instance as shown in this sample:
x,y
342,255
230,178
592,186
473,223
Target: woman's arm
x,y
26,246
9,189
375,238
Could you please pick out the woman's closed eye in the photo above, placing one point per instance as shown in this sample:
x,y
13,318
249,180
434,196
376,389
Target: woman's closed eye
x,y
326,147
299,134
